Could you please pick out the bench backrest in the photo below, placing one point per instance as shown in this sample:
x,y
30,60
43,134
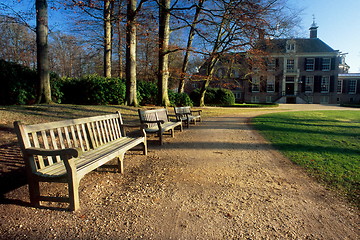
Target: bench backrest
x,y
153,115
84,133
182,110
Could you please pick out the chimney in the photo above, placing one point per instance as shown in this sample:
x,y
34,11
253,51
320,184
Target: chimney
x,y
313,29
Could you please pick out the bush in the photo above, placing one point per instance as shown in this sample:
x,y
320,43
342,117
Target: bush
x,y
18,84
214,96
147,93
56,88
179,99
93,89
225,96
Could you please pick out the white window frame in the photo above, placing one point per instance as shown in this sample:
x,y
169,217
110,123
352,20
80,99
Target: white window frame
x,y
255,85
339,87
324,99
270,83
325,84
255,99
290,65
326,66
269,99
310,66
290,46
309,84
352,86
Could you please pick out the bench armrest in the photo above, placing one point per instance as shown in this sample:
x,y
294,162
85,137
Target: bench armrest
x,y
139,132
155,121
68,152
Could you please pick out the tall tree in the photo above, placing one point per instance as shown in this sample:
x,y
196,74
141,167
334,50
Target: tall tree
x,y
131,98
132,11
108,6
190,40
164,37
44,89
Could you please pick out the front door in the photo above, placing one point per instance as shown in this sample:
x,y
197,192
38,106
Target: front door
x,y
289,88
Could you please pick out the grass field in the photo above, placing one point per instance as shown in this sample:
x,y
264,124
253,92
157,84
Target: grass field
x,y
326,143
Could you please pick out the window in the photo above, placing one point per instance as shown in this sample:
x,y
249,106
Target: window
x,y
290,79
339,86
290,65
271,66
269,99
255,84
309,83
310,64
255,99
326,64
270,84
290,46
325,84
352,86
324,100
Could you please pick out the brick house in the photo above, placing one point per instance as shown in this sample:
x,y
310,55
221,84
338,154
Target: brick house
x,y
296,70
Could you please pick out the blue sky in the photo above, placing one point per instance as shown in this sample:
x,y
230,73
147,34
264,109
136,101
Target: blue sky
x,y
339,25
338,21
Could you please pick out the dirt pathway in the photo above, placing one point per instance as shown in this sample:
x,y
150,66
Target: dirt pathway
x,y
218,180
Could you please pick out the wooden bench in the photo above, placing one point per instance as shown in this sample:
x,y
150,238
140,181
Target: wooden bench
x,y
187,115
158,121
64,151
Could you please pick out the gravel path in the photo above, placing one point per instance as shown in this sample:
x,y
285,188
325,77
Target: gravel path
x,y
216,180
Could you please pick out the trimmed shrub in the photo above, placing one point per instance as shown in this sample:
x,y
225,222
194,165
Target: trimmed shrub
x,y
214,96
179,99
93,89
225,96
147,93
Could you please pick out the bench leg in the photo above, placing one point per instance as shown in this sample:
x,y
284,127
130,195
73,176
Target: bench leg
x,y
120,161
73,184
145,147
34,190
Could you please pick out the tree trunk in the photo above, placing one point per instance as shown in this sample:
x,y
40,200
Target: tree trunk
x,y
131,98
188,47
44,88
164,35
107,38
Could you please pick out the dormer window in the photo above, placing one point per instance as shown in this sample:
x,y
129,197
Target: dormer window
x,y
290,46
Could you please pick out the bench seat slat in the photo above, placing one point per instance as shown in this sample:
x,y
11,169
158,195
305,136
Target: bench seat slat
x,y
91,158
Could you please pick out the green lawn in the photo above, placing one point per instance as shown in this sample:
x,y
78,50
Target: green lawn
x,y
325,143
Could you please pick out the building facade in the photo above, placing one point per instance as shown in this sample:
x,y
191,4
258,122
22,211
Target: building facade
x,y
298,70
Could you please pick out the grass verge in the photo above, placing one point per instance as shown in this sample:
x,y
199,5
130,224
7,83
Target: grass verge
x,y
325,143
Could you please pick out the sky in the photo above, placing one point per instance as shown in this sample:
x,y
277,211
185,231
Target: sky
x,y
339,25
338,22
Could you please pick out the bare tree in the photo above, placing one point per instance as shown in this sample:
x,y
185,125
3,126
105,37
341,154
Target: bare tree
x,y
190,40
132,11
44,89
239,25
164,37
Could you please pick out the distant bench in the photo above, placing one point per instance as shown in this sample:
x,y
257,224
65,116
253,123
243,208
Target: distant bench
x,y
187,115
158,122
64,151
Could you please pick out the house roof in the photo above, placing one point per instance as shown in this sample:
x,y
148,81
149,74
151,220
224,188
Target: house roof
x,y
303,45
